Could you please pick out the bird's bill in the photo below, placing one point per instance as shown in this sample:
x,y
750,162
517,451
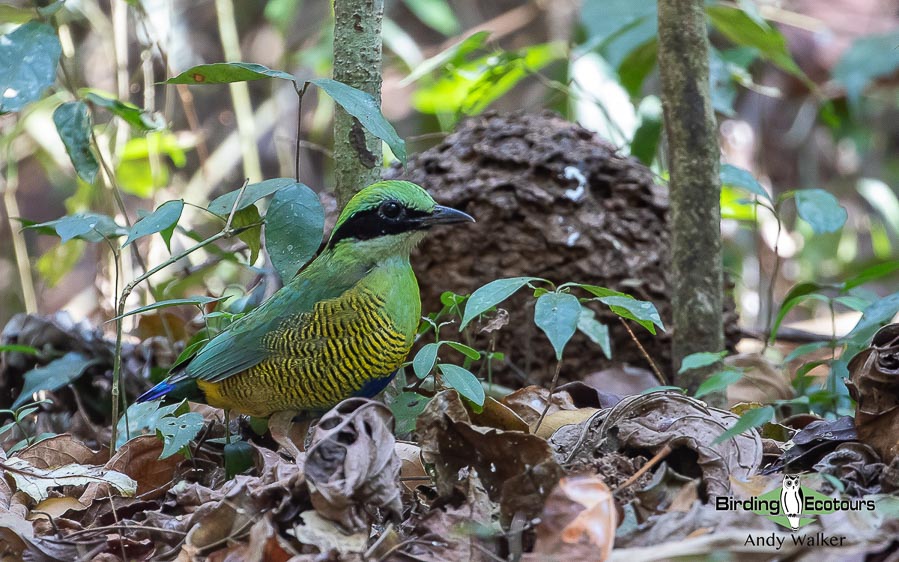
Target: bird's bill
x,y
445,215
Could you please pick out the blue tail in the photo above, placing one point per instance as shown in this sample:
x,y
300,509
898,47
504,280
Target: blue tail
x,y
161,390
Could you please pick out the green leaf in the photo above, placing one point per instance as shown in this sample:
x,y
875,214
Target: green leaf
x,y
870,274
91,227
227,72
29,56
252,237
425,360
223,204
178,432
165,216
73,122
637,65
406,408
130,113
294,227
196,301
738,177
436,14
17,348
143,417
490,295
141,169
642,312
455,52
53,375
469,352
805,348
646,137
718,381
755,417
870,57
465,383
365,108
557,315
820,209
876,315
238,458
740,28
617,27
794,296
595,330
700,360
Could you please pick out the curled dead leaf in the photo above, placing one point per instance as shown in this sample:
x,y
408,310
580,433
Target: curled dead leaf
x,y
60,450
578,521
139,459
530,401
516,468
762,380
351,464
559,419
412,472
874,384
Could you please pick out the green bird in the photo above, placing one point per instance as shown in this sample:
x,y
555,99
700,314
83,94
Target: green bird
x,y
340,328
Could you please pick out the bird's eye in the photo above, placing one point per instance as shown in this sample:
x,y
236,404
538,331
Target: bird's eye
x,y
391,209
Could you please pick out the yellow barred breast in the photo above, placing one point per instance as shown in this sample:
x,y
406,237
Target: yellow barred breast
x,y
318,358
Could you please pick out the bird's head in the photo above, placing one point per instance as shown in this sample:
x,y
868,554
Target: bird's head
x,y
389,218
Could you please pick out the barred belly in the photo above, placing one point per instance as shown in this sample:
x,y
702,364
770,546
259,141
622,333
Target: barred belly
x,y
317,359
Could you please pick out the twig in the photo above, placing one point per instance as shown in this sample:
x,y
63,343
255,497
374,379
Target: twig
x,y
300,93
664,452
236,204
655,369
549,399
770,293
20,249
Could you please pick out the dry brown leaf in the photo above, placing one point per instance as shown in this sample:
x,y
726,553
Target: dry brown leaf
x,y
874,383
517,469
139,459
498,415
352,466
55,507
412,472
559,419
326,535
59,451
578,522
762,380
530,401
623,380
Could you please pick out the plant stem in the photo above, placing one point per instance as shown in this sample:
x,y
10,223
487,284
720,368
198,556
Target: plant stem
x,y
549,399
20,250
652,364
300,93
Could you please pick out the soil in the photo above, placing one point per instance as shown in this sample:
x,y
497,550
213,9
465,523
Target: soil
x,y
551,200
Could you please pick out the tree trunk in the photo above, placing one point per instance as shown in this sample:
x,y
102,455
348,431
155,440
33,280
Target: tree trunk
x,y
357,62
695,187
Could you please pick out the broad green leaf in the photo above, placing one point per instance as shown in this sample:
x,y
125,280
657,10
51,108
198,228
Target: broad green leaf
x,y
557,315
227,72
637,65
469,352
805,348
18,348
238,458
91,227
73,122
794,296
870,274
876,315
223,204
453,53
820,209
490,295
740,28
436,14
855,303
700,360
425,360
617,27
59,261
142,169
177,432
719,381
646,137
294,227
14,14
252,237
465,383
366,109
870,57
143,417
595,330
130,113
36,482
406,407
756,417
196,301
29,56
164,217
598,291
738,177
53,375
642,312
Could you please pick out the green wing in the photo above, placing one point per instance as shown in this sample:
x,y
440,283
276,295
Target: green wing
x,y
241,346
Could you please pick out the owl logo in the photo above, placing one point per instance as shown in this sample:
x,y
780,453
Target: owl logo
x,y
791,500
